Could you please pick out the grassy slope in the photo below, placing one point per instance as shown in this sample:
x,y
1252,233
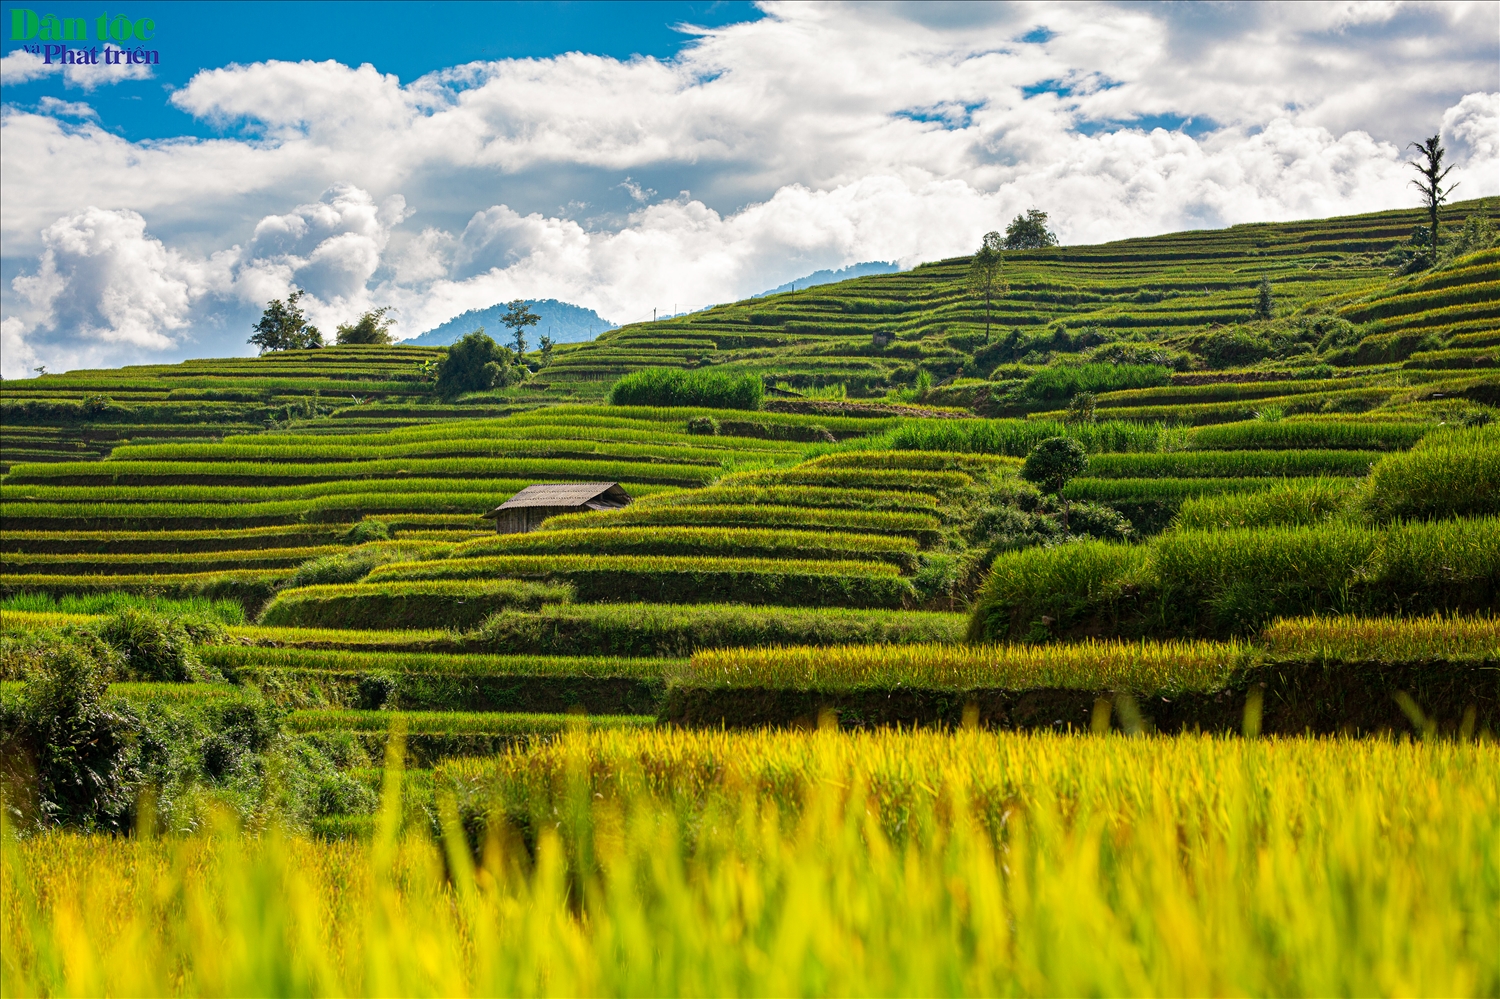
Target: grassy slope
x,y
318,439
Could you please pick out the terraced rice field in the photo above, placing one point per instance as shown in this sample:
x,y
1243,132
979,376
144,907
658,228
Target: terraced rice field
x,y
839,663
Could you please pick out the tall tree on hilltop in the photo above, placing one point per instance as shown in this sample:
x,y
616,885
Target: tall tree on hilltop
x,y
283,326
372,328
1029,232
1430,166
986,275
518,317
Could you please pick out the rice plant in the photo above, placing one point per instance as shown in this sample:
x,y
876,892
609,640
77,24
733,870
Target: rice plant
x,y
1451,473
673,863
1087,665
1308,501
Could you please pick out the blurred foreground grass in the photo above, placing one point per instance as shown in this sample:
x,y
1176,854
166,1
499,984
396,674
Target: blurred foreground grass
x,y
669,862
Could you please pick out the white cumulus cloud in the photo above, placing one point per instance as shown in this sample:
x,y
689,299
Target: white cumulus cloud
x,y
817,136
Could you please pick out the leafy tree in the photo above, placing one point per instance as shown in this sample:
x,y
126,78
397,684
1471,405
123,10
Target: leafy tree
x,y
1029,232
518,317
1264,304
283,326
1430,166
1052,463
986,275
546,344
474,364
372,327
1082,408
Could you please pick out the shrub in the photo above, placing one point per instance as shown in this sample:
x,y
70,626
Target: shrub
x,y
155,648
1451,473
352,566
673,387
1123,352
705,425
368,530
63,752
474,364
1232,348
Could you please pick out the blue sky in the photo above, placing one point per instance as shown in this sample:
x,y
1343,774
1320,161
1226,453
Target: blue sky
x,y
437,158
403,38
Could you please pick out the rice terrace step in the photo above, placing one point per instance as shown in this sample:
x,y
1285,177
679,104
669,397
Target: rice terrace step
x,y
1060,605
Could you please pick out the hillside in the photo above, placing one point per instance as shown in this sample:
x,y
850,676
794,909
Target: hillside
x,y
1347,336
562,321
1185,294
1290,520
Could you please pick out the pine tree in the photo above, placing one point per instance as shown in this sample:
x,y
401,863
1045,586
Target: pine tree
x,y
1264,304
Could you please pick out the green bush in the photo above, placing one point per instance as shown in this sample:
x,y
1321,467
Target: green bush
x,y
1386,348
368,530
1233,348
63,752
352,566
1454,472
673,387
155,648
476,363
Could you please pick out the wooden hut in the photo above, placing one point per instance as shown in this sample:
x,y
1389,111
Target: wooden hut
x,y
526,510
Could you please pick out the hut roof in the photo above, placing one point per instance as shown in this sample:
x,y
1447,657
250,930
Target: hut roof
x,y
589,495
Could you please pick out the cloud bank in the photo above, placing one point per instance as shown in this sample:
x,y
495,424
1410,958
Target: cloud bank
x,y
818,136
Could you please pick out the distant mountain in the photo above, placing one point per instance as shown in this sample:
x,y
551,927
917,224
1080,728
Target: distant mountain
x,y
829,277
564,323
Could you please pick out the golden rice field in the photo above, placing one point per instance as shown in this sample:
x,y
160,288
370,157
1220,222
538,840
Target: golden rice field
x,y
670,862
